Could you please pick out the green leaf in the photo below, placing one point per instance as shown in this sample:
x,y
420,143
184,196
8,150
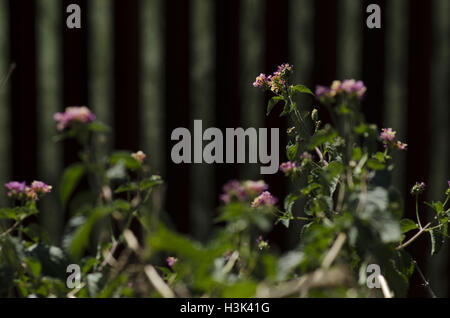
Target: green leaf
x,y
291,152
151,182
80,239
272,102
124,157
302,89
70,179
357,154
9,213
407,225
34,266
375,164
322,136
240,290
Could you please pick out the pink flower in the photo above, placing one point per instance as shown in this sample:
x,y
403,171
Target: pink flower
x,y
261,81
15,188
19,190
242,191
265,199
139,156
171,261
401,146
40,187
350,87
73,114
288,167
387,134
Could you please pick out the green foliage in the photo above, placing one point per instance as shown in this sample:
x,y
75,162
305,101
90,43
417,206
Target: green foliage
x,y
125,245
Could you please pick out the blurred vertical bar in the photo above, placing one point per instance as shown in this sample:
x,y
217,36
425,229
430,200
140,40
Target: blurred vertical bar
x,y
251,65
418,121
177,105
374,63
127,74
440,147
349,43
395,108
202,101
49,102
4,99
100,63
152,83
227,99
301,52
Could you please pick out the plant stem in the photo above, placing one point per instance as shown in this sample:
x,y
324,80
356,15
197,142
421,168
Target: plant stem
x,y
425,282
417,211
402,246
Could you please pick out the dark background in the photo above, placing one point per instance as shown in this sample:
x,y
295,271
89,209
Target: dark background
x,y
147,67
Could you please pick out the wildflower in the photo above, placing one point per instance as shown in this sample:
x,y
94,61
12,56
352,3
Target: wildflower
x,y
20,190
350,87
284,68
233,189
73,114
418,188
261,243
40,187
387,134
139,156
254,188
401,146
15,188
171,261
276,83
288,167
265,199
261,81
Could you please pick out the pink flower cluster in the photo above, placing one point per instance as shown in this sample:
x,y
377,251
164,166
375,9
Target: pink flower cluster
x,y
171,261
73,114
418,188
242,191
20,190
264,199
288,167
276,82
387,135
139,156
349,87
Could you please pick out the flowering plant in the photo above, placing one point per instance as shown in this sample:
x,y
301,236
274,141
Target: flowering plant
x,y
119,242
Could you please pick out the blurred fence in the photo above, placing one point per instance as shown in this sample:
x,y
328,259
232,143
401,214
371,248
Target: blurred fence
x,y
146,67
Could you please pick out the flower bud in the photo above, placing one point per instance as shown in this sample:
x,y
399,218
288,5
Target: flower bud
x,y
315,115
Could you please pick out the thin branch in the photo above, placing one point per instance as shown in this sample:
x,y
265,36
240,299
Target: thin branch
x,y
425,281
412,239
12,228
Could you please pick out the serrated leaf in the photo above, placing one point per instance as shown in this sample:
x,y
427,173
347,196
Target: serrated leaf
x,y
437,240
302,89
407,225
322,136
